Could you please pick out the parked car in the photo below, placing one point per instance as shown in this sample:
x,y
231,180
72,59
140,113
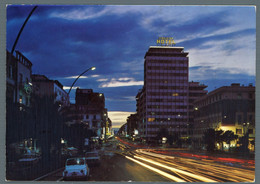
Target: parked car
x,y
76,168
92,158
72,151
28,159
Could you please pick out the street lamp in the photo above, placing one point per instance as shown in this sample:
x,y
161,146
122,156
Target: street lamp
x,y
92,68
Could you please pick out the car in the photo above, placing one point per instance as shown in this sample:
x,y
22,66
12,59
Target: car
x,y
72,151
76,168
92,158
28,159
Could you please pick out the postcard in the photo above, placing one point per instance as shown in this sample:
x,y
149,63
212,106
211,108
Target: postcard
x,y
130,93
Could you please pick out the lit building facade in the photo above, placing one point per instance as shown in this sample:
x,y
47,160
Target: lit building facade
x,y
163,101
226,108
19,70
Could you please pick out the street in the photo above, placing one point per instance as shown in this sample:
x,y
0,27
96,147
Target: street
x,y
121,162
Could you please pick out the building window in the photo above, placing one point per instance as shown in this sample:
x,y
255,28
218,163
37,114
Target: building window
x,y
94,117
175,94
238,131
239,96
87,116
151,119
250,96
250,131
21,99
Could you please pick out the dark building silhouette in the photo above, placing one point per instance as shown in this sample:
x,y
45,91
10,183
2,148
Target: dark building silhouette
x,y
89,98
43,86
132,124
90,110
196,90
33,123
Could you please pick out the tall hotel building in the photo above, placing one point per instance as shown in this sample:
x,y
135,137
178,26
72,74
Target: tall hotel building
x,y
163,100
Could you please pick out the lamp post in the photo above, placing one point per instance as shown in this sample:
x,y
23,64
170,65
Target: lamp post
x,y
14,46
92,68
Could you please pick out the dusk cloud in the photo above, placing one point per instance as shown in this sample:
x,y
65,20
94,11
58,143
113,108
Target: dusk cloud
x,y
121,82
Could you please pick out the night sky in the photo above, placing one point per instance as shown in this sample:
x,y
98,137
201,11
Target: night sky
x,y
63,41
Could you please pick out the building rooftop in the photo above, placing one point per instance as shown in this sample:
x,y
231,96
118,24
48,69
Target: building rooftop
x,y
233,88
166,47
38,77
43,78
78,90
23,60
166,51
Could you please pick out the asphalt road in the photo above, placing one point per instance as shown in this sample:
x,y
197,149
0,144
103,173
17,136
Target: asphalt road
x,y
114,167
121,162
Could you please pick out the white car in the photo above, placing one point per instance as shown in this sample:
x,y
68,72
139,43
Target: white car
x,y
76,168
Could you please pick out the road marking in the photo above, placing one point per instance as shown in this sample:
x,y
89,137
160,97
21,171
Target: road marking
x,y
60,179
41,177
157,170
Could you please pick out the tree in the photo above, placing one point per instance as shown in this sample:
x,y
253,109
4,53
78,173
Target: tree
x,y
244,141
219,137
252,142
209,139
229,136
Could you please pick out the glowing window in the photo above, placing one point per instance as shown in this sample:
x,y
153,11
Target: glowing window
x,y
175,94
151,119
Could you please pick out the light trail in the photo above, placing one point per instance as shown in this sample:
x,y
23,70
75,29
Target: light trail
x,y
201,178
210,170
240,174
155,154
216,170
156,170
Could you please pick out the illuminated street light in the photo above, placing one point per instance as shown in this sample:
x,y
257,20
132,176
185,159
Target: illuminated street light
x,y
92,68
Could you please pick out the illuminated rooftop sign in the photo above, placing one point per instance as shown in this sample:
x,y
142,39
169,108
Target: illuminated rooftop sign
x,y
167,41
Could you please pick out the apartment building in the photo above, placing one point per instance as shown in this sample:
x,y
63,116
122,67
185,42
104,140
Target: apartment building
x,y
226,108
163,100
